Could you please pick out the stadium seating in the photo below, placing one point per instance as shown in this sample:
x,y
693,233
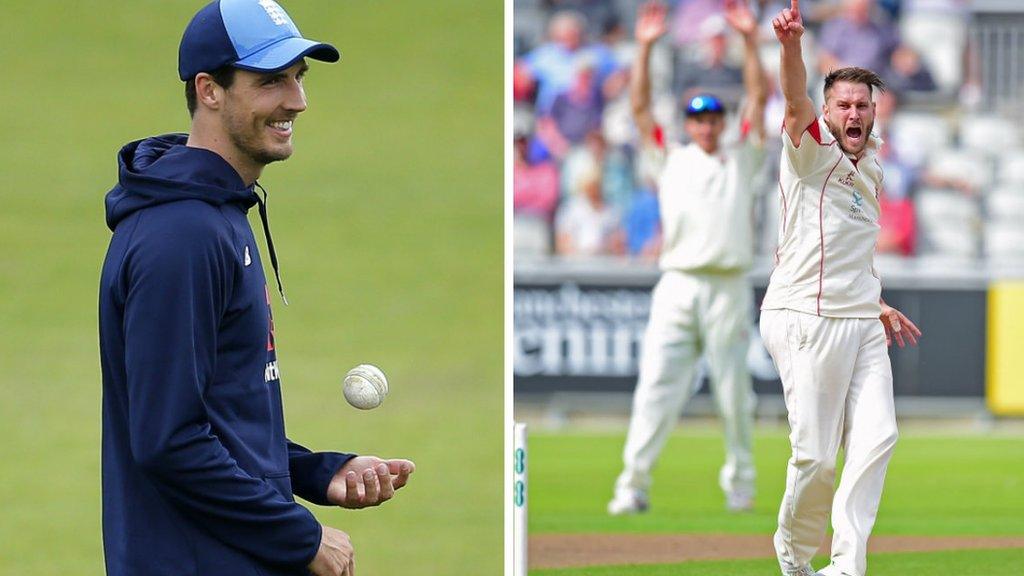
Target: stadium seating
x,y
948,222
973,166
1011,167
1004,241
918,134
990,134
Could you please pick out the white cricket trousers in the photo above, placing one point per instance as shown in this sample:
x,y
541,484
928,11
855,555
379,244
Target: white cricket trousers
x,y
693,314
837,383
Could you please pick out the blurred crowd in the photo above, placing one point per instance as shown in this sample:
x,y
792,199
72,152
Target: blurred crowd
x,y
580,184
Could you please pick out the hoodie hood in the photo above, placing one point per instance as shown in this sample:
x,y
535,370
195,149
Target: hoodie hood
x,y
163,169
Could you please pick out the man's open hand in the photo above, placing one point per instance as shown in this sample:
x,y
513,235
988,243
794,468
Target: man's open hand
x,y
368,481
739,16
651,22
897,327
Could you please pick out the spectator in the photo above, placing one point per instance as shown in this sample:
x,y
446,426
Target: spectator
x,y
582,160
907,73
907,157
523,85
577,111
910,151
688,18
535,186
612,163
593,13
643,225
712,72
898,234
613,54
854,39
552,65
586,225
609,65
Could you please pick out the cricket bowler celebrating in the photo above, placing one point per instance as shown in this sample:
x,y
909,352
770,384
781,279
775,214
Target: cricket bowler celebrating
x,y
702,303
820,316
199,477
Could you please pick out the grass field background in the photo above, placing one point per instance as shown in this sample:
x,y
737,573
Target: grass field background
x,y
936,485
388,224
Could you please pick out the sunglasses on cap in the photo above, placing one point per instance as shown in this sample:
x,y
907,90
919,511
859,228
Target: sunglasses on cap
x,y
704,103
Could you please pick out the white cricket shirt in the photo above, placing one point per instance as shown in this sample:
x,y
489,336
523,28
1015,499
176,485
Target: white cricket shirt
x,y
829,210
706,204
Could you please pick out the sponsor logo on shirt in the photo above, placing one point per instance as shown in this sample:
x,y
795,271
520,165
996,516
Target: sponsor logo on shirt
x,y
271,372
856,212
857,200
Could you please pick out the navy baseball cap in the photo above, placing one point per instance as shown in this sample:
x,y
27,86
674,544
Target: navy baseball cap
x,y
704,103
255,35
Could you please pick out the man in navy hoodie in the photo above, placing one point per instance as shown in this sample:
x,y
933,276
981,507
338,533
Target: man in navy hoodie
x,y
198,475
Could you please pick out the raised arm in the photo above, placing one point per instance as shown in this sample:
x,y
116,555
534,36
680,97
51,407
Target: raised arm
x,y
789,27
650,25
739,16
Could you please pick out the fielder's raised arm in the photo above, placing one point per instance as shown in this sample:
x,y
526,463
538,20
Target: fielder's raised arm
x,y
789,28
650,25
755,84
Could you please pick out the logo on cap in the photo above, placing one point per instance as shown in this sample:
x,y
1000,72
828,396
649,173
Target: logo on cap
x,y
704,103
275,12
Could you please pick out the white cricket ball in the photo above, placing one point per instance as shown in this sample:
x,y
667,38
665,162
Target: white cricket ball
x,y
365,386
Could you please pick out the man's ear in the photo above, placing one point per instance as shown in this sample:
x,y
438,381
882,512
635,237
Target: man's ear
x,y
208,92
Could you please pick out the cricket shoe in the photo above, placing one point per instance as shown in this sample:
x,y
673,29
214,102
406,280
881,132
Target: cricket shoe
x,y
739,501
628,503
805,571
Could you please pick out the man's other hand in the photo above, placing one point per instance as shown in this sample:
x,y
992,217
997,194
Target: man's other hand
x,y
335,556
651,22
368,481
739,16
897,327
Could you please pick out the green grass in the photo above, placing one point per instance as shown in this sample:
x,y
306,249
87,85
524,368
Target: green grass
x,y
388,223
948,563
936,485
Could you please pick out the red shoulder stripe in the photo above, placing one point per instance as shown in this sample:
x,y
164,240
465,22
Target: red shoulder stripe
x,y
658,135
815,131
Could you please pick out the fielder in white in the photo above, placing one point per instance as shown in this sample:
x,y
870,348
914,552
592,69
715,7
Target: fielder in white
x,y
820,316
702,303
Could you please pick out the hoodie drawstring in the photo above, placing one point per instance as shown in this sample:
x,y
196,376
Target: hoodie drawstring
x,y
270,241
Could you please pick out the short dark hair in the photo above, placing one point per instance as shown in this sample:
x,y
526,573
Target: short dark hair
x,y
223,76
855,75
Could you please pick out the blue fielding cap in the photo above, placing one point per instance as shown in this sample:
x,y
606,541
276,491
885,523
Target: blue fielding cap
x,y
704,103
255,35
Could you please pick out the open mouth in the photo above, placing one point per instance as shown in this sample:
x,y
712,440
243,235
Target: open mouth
x,y
282,128
855,133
